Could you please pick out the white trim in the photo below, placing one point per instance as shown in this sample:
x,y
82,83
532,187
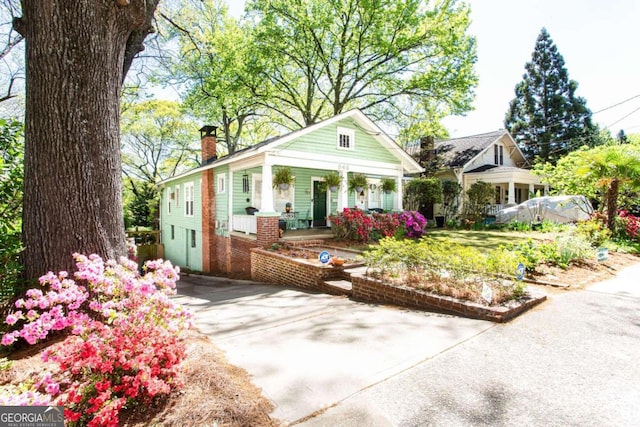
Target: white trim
x,y
345,138
188,199
360,120
221,183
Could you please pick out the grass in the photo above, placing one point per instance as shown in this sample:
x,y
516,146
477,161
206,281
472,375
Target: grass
x,y
486,240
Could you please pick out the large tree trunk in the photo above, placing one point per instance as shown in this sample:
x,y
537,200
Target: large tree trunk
x,y
612,203
76,55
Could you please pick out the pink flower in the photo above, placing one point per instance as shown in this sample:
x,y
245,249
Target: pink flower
x,y
11,319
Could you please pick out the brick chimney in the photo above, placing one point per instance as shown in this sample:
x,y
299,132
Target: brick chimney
x,y
208,143
427,152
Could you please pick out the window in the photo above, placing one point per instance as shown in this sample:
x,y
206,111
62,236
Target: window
x,y
245,183
173,232
188,199
193,238
171,195
221,184
346,138
498,154
177,197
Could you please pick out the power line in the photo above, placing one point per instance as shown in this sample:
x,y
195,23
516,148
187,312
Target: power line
x,y
616,104
624,117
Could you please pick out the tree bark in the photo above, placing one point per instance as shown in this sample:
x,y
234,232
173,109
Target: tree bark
x,y
75,60
612,203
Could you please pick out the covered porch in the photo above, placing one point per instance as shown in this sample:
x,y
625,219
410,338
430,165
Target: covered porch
x,y
306,203
511,185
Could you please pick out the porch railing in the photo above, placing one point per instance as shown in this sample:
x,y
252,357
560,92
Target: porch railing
x,y
493,209
245,223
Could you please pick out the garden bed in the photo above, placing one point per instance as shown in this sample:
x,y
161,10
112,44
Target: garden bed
x,y
369,289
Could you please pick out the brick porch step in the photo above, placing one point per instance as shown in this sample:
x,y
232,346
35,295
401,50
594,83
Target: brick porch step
x,y
338,287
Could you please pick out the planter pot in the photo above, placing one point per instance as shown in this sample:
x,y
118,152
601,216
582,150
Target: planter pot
x,y
359,189
387,191
440,221
336,261
333,188
283,186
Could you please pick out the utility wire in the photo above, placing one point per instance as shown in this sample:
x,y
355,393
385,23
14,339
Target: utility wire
x,y
615,105
624,117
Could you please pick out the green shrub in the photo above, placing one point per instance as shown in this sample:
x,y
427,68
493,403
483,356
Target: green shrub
x,y
11,175
573,247
594,230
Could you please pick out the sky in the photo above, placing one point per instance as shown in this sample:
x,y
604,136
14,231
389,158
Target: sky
x,y
599,40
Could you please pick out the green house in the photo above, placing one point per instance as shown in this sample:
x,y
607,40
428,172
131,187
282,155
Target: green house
x,y
213,215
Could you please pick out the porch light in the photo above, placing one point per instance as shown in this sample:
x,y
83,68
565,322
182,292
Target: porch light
x,y
362,196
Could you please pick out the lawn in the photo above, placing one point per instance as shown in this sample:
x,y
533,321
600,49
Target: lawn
x,y
485,240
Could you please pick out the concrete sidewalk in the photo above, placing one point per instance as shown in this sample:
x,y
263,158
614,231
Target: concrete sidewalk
x,y
310,351
571,361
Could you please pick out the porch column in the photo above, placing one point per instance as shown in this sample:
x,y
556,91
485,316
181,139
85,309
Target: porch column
x,y
512,193
267,186
343,191
532,191
397,197
546,189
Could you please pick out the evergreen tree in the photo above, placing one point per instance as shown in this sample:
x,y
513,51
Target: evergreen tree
x,y
546,117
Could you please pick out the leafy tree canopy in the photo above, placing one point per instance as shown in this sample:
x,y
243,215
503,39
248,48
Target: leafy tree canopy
x,y
291,64
546,117
158,141
214,66
327,56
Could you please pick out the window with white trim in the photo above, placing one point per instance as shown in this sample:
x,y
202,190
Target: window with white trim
x,y
177,197
170,195
222,183
188,199
498,154
346,138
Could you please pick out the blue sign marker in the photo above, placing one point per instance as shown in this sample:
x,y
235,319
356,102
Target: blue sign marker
x,y
520,270
324,257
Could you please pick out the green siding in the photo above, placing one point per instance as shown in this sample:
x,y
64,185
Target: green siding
x,y
178,249
239,197
325,140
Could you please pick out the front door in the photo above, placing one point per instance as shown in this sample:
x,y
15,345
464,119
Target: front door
x,y
319,205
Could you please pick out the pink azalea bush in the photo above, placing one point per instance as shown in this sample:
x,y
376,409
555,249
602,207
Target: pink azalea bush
x,y
124,343
630,225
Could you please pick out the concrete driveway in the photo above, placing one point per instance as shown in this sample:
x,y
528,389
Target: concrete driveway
x,y
310,351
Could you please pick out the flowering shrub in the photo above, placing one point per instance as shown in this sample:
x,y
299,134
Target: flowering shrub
x,y
630,225
124,346
354,224
414,224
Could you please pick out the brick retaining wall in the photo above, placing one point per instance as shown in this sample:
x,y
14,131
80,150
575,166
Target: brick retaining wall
x,y
274,268
371,290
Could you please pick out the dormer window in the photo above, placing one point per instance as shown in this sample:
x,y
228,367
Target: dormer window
x,y
346,139
498,154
